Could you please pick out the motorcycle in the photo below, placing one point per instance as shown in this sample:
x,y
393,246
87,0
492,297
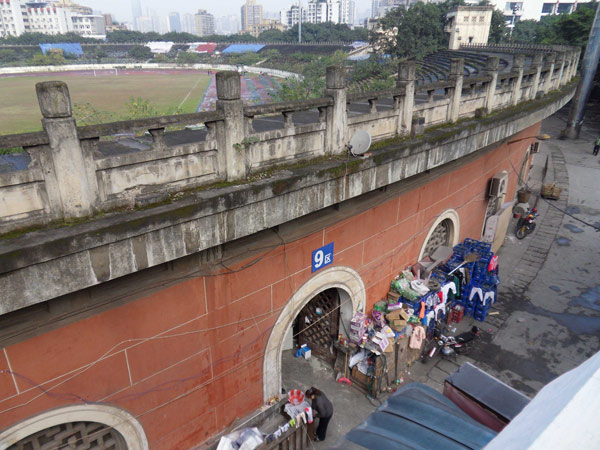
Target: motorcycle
x,y
526,225
449,345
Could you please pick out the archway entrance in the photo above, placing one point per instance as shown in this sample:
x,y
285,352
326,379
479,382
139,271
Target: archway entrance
x,y
352,297
318,324
79,435
85,426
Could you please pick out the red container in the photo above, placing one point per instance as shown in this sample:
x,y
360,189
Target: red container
x,y
295,396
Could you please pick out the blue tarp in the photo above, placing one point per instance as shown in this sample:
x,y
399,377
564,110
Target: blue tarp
x,y
417,417
243,48
68,49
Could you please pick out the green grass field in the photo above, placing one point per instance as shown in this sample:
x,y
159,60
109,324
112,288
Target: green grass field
x,y
19,110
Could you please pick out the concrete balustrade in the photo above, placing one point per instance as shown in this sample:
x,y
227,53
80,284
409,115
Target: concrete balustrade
x,y
71,177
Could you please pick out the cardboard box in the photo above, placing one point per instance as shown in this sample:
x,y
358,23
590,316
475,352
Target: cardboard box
x,y
393,297
397,319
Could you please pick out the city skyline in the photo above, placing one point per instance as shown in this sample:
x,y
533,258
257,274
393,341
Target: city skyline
x,y
122,11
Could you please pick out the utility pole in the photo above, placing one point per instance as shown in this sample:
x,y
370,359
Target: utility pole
x,y
588,72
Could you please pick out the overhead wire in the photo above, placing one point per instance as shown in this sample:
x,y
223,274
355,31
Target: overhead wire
x,y
195,274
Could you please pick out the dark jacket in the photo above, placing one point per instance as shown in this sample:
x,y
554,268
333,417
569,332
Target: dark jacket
x,y
322,406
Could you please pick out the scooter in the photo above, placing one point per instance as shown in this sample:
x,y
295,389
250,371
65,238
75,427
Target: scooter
x,y
526,225
449,345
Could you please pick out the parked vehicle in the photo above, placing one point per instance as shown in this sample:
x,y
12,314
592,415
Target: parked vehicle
x,y
526,224
448,345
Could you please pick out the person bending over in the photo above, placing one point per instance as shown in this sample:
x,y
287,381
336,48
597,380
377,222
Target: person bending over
x,y
324,409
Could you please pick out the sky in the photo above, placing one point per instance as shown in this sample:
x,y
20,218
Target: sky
x,y
121,9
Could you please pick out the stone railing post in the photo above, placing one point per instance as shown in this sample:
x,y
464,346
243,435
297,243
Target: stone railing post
x,y
548,84
230,132
576,57
491,70
457,66
406,79
78,193
537,65
560,61
518,63
336,136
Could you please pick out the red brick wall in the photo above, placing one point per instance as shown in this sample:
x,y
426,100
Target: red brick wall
x,y
188,360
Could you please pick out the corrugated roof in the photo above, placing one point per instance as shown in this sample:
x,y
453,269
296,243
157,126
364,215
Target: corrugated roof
x,y
417,417
243,48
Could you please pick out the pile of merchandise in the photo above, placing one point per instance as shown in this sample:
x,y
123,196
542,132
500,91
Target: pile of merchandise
x,y
465,283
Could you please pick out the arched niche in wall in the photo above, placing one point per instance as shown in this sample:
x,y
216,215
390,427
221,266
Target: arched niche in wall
x,y
444,232
114,427
352,298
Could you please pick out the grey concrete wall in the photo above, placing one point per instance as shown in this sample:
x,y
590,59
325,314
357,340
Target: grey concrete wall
x,y
69,259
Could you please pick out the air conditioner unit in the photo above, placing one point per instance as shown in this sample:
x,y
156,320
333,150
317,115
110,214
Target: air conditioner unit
x,y
498,184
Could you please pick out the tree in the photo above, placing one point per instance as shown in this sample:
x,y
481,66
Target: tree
x,y
188,58
49,59
272,36
140,108
161,58
525,31
7,55
413,32
561,29
140,52
498,29
41,38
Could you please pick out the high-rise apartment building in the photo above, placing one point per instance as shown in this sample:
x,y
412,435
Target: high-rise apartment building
x,y
136,12
188,23
335,11
49,17
205,23
291,16
252,15
174,22
11,19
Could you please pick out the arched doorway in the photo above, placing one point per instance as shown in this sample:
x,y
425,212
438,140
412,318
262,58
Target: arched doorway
x,y
93,426
79,435
318,324
352,297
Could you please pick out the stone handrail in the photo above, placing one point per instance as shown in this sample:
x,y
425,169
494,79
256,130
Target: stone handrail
x,y
75,172
154,123
273,108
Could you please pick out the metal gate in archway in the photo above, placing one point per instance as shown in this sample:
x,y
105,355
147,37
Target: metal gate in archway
x,y
74,435
318,324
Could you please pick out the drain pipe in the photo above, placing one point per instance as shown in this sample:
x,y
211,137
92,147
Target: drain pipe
x,y
588,72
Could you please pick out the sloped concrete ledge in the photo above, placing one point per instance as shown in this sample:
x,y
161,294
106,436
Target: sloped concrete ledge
x,y
69,259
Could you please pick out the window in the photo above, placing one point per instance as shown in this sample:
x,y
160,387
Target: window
x,y
564,8
548,8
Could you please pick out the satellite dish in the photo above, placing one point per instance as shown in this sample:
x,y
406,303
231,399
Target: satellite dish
x,y
359,143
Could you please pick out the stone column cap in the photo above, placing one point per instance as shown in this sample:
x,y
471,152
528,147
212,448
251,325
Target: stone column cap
x,y
228,85
54,99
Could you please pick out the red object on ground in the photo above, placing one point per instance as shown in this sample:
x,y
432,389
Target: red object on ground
x,y
457,314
